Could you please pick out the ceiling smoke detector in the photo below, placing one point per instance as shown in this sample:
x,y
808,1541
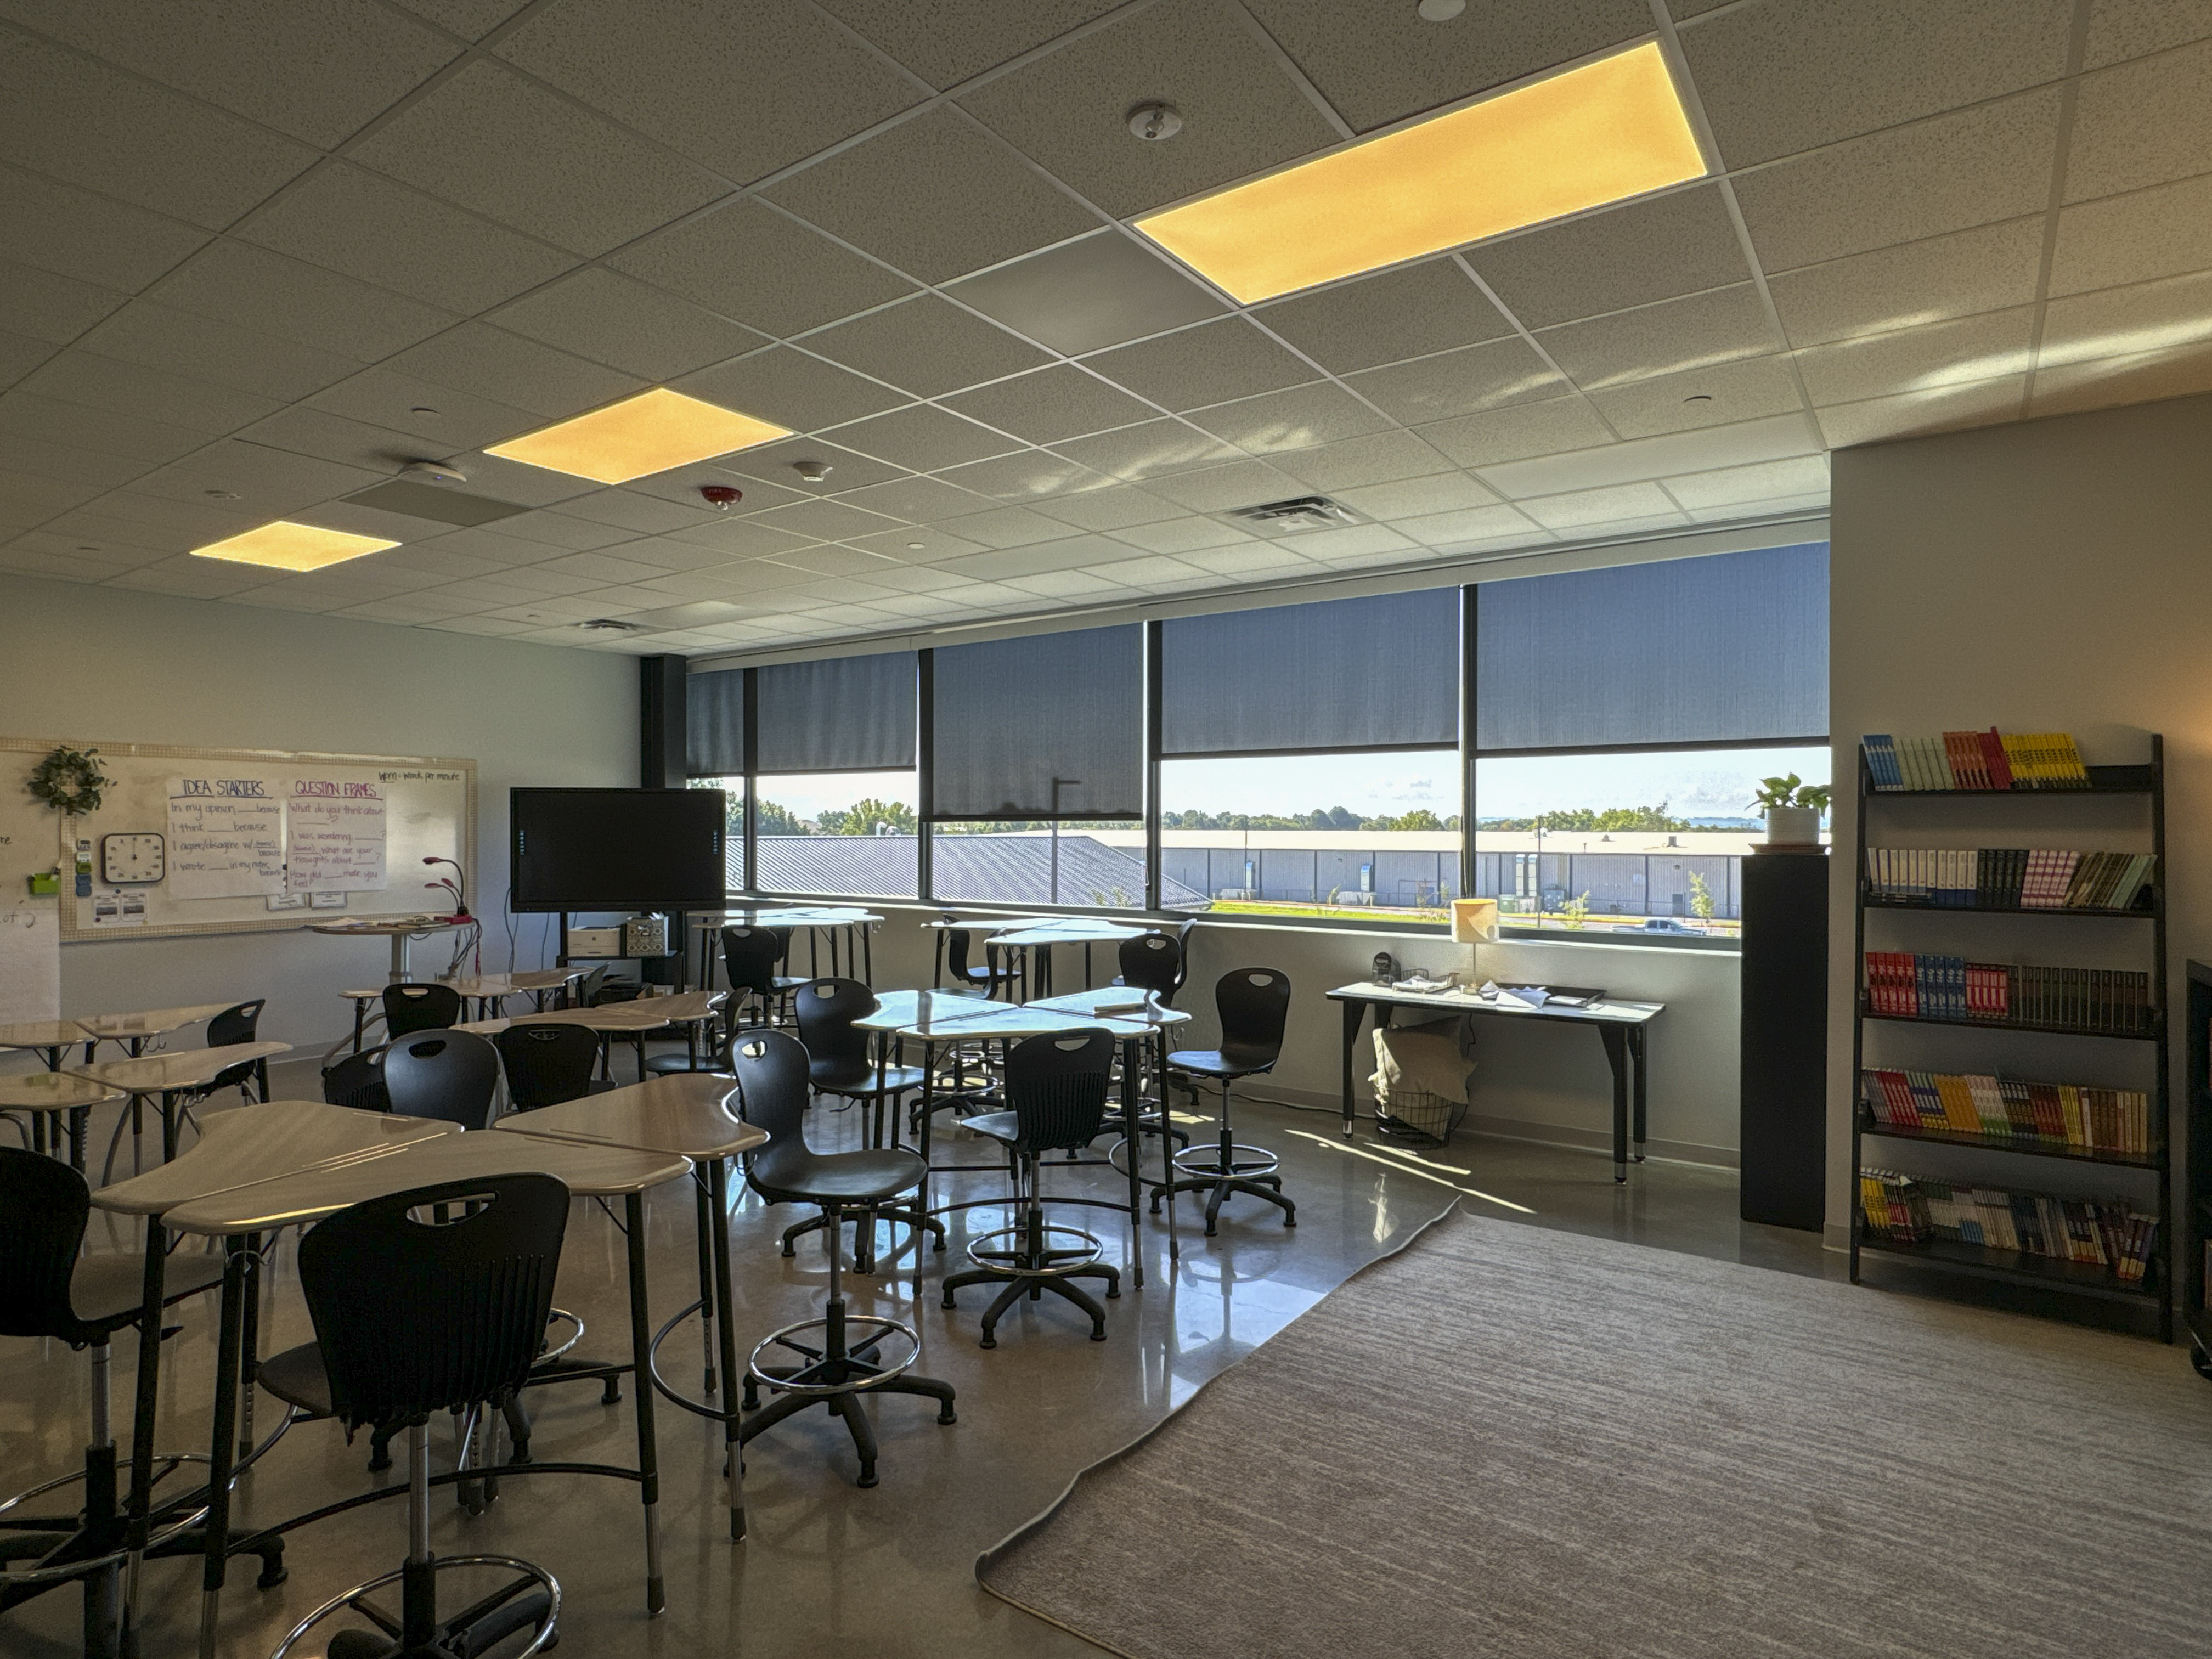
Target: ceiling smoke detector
x,y
1300,512
610,625
811,471
1153,121
433,472
721,497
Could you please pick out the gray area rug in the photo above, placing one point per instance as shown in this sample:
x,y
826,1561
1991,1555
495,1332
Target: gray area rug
x,y
1509,1442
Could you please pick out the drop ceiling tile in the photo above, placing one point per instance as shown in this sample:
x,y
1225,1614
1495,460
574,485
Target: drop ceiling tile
x,y
790,388
1461,382
1380,64
35,498
1162,575
489,627
1051,405
201,348
1408,498
2131,28
1379,459
1069,110
1712,327
84,377
631,510
1876,365
504,480
1736,511
1352,541
1154,449
933,197
20,354
1978,166
314,72
1939,409
266,482
2144,123
1198,367
91,125
1112,506
1219,489
50,307
2142,377
739,539
1768,439
123,515
1303,417
265,293
1804,475
561,529
916,545
24,557
106,431
832,562
1479,524
627,325
1515,433
1986,269
61,464
377,230
1099,290
923,438
823,520
601,567
1007,526
747,261
945,46
382,397
672,72
1075,553
2166,232
773,463
1584,508
189,578
916,500
926,346
2117,322
912,579
487,140
1793,73
1725,394
57,228
1414,312
1027,475
435,562
681,485
1067,584
1679,243
490,363
1260,559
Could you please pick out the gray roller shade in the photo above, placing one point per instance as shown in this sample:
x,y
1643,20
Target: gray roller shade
x,y
838,714
714,723
1728,648
1381,672
1011,716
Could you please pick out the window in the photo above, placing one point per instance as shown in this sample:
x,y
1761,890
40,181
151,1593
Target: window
x,y
733,840
850,833
1647,842
1347,836
1047,728
1091,862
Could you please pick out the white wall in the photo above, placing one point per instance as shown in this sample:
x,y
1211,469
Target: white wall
x,y
1537,1083
103,662
2052,575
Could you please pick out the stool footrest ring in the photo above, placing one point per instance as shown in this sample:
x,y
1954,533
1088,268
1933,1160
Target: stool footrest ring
x,y
1205,1161
848,1372
527,1574
993,1258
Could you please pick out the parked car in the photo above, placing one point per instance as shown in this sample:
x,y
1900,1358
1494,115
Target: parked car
x,y
1659,925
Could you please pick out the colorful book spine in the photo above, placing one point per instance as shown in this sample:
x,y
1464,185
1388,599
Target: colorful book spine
x,y
1881,751
2106,1234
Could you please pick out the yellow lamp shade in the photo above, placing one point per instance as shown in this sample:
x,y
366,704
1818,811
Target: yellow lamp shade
x,y
1474,921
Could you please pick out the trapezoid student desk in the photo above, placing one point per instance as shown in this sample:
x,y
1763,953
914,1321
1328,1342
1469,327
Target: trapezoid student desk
x,y
1620,1025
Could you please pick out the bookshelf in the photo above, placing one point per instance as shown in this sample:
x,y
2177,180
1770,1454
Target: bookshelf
x,y
2120,809
2197,1235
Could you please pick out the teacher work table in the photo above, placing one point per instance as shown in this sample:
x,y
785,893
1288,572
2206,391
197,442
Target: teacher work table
x,y
1619,1026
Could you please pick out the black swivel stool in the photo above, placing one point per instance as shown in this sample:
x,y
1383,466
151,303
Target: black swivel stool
x,y
750,956
48,1289
840,1063
415,1316
409,1008
771,1069
1056,1085
546,1065
1254,1004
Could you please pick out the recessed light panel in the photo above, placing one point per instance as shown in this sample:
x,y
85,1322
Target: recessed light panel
x,y
1607,130
650,433
284,545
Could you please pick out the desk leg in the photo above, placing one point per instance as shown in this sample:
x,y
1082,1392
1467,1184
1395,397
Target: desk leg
x,y
168,1127
1635,1053
1167,1159
718,1183
1355,1015
1616,1055
641,1359
80,1125
142,1429
399,958
228,1343
1132,1125
249,1340
867,954
706,1279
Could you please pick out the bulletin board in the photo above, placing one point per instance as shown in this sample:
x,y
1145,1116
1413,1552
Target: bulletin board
x,y
251,840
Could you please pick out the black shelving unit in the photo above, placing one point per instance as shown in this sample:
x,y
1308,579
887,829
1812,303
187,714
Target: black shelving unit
x,y
1977,820
2196,1237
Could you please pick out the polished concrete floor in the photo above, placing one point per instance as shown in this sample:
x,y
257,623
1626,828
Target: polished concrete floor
x,y
829,1568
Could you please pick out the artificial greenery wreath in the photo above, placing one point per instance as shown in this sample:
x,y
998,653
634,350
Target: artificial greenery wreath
x,y
70,781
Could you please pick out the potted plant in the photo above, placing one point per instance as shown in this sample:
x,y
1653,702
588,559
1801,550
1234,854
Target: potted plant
x,y
1793,808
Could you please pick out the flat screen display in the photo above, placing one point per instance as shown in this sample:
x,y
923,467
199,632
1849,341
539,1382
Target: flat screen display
x,y
617,849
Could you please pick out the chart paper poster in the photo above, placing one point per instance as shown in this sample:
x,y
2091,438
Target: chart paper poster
x,y
337,829
226,837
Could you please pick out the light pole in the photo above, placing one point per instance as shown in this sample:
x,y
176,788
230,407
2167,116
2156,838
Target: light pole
x,y
1054,890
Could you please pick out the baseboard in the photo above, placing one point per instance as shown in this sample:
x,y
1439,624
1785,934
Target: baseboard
x,y
1836,1236
1511,1128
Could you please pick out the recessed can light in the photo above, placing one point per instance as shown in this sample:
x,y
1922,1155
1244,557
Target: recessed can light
x,y
221,495
1440,11
916,544
1699,397
423,409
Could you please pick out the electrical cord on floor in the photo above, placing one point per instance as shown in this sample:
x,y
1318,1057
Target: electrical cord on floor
x,y
1295,1106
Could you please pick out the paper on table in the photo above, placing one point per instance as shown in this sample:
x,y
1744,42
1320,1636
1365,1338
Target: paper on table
x,y
30,963
225,838
336,834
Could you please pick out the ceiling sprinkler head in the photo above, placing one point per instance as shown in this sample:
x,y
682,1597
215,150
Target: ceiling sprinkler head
x,y
721,497
811,471
1153,121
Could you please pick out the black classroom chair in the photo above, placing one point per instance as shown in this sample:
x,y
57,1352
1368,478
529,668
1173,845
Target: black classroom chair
x,y
1254,1004
548,1064
357,1080
1154,962
450,1075
409,1008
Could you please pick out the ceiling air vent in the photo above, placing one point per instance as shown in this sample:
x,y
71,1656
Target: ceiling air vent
x,y
1303,513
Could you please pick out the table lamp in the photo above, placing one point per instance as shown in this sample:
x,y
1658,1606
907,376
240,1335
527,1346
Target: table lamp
x,y
1474,922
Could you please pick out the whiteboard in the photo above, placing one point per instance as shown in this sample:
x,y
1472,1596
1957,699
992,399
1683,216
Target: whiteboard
x,y
255,840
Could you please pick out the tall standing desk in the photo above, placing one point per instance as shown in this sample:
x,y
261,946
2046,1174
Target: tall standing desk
x,y
1619,1026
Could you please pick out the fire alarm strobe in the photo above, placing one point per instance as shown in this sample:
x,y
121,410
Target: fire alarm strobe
x,y
722,497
